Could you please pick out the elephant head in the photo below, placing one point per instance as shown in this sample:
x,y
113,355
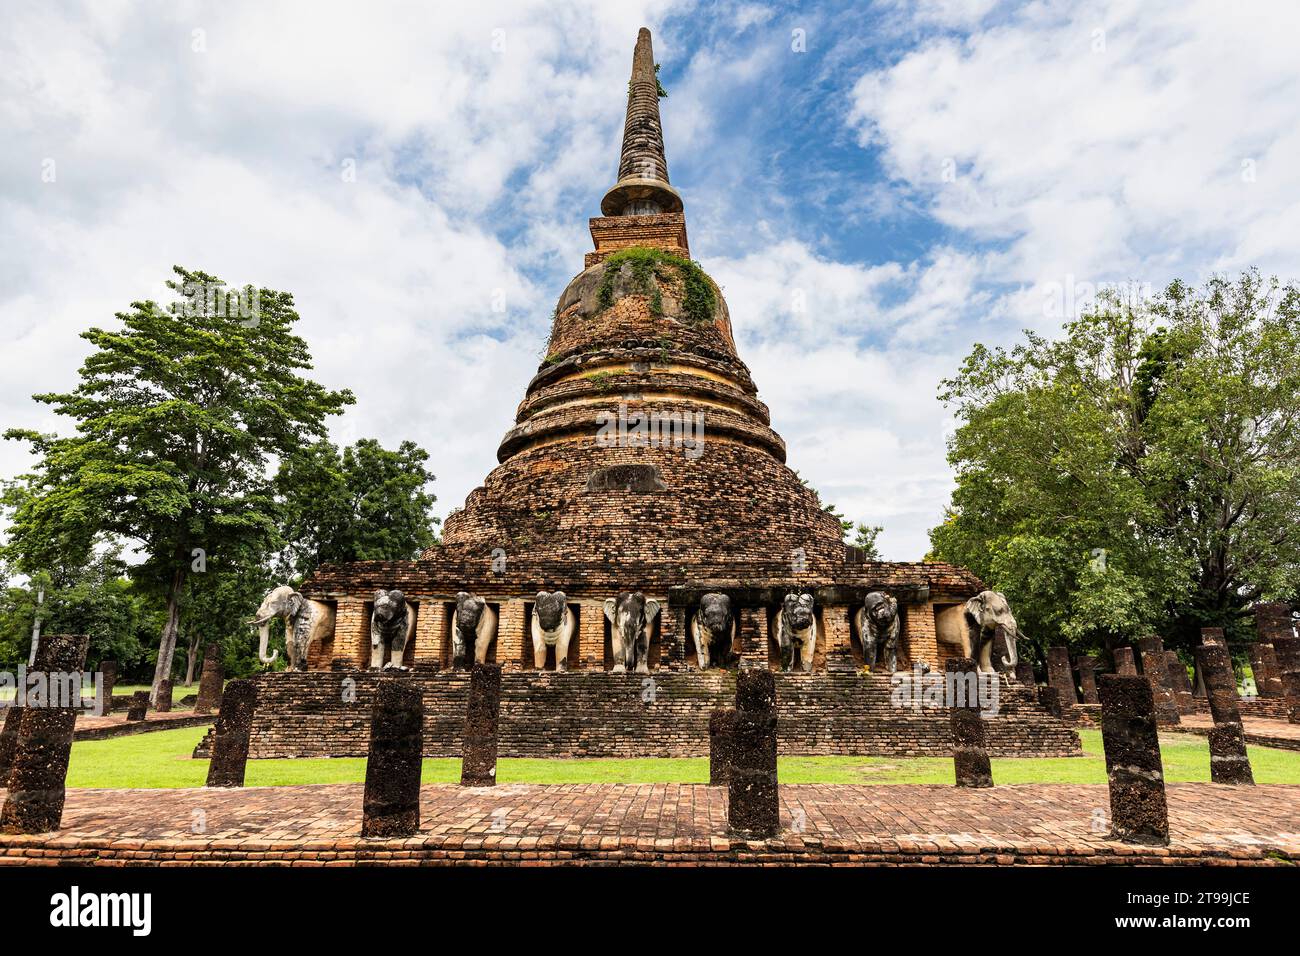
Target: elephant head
x,y
550,609
797,610
469,611
389,607
993,632
713,630
285,603
630,615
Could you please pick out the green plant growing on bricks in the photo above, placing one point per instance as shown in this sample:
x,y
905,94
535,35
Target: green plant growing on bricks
x,y
649,266
177,413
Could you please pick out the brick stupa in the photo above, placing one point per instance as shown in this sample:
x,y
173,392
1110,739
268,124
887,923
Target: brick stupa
x,y
589,499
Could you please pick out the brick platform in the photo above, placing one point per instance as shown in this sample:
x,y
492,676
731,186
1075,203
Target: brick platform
x,y
1260,732
665,714
661,824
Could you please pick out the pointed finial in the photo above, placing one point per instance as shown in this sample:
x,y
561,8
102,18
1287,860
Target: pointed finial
x,y
642,187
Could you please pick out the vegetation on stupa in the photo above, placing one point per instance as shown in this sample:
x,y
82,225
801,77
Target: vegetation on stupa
x,y
648,268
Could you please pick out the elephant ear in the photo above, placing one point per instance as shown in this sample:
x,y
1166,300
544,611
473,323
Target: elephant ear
x,y
561,597
397,596
893,606
610,605
296,602
540,596
461,596
651,610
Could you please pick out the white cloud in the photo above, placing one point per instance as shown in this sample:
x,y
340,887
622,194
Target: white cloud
x,y
1104,140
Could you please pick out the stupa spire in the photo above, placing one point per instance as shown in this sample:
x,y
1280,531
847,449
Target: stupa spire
x,y
642,188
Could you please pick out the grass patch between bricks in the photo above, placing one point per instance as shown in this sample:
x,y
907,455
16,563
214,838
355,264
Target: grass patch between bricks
x,y
162,760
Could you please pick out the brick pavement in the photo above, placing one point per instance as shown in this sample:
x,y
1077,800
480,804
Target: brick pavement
x,y
660,824
1260,731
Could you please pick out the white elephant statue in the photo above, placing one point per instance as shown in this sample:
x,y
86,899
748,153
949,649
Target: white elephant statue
x,y
796,632
553,626
630,616
305,621
711,629
391,626
475,627
991,633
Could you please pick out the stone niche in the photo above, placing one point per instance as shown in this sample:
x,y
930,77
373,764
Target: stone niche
x,y
690,656
526,646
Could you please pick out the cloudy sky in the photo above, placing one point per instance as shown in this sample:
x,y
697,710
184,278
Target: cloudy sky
x,y
875,186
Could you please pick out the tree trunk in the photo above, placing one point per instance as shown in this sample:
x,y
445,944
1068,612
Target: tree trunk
x,y
167,642
190,659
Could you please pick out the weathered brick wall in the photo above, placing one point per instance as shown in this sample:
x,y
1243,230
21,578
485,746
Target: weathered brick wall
x,y
595,714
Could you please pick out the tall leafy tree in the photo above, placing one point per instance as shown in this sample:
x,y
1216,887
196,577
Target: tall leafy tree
x,y
178,414
1140,472
366,503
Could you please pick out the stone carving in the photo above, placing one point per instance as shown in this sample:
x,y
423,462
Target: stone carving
x,y
630,616
878,627
391,624
712,631
796,632
476,627
553,626
304,621
991,627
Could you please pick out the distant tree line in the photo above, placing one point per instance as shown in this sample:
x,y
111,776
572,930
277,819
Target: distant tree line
x,y
198,476
1140,473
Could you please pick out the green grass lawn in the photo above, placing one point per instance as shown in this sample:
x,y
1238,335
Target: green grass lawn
x,y
162,759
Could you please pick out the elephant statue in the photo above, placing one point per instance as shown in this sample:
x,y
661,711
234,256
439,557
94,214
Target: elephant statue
x,y
630,616
712,630
391,624
796,632
991,633
305,621
475,628
878,627
553,626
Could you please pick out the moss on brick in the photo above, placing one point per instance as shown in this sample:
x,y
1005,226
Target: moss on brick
x,y
649,266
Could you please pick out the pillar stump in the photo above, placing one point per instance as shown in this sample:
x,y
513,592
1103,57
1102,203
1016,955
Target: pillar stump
x,y
1263,664
1273,620
753,802
48,650
1025,673
38,776
1155,670
970,754
1060,676
722,728
1228,760
1291,688
210,681
163,704
391,805
108,672
1124,664
1176,671
1287,652
1050,698
1139,812
478,762
230,740
1086,665
139,705
9,740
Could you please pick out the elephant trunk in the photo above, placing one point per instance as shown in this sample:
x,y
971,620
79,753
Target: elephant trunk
x,y
263,635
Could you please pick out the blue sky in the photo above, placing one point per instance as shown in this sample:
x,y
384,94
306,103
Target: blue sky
x,y
919,177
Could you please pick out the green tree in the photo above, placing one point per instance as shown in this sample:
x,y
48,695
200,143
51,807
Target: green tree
x,y
367,503
1140,473
178,412
864,539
